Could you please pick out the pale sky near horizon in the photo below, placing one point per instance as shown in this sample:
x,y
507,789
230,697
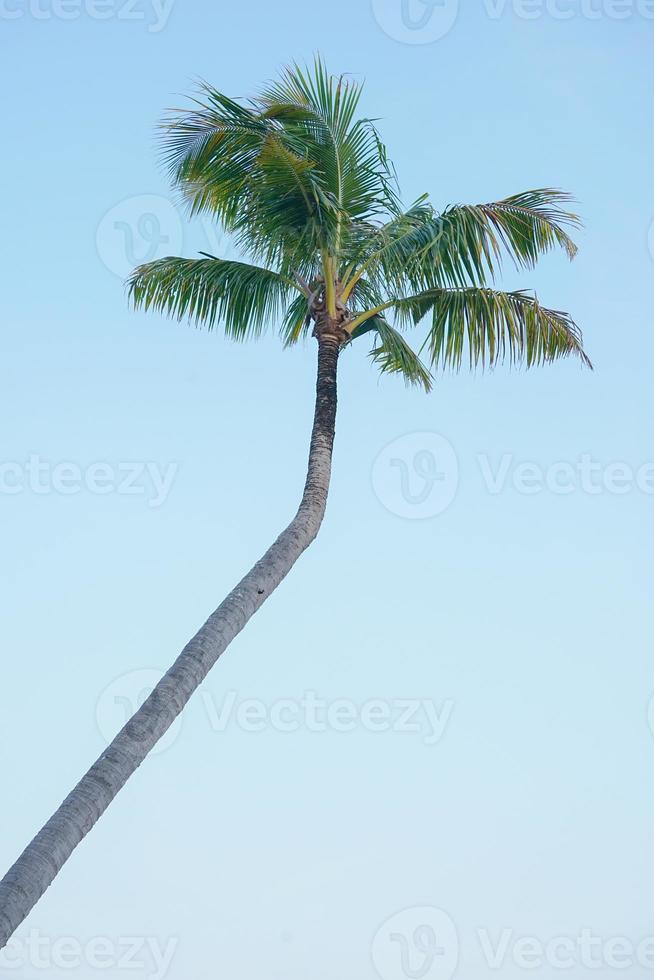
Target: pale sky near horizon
x,y
434,741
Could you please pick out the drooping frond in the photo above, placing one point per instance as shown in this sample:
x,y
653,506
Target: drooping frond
x,y
533,222
210,149
393,355
523,227
244,298
465,244
490,326
296,322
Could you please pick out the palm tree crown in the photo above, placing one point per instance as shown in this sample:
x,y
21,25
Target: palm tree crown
x,y
309,194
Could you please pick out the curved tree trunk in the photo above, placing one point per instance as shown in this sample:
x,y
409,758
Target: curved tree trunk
x,y
41,861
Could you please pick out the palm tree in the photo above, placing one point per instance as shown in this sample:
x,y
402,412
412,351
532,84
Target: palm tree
x,y
309,195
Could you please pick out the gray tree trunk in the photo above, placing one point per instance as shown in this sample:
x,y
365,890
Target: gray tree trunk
x,y
42,860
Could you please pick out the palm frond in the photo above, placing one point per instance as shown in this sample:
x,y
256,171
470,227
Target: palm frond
x,y
393,355
525,226
492,326
209,150
316,113
296,322
465,244
244,298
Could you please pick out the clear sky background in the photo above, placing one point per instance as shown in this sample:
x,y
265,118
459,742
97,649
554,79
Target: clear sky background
x,y
523,619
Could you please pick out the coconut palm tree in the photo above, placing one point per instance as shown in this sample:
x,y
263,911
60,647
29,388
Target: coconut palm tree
x,y
309,195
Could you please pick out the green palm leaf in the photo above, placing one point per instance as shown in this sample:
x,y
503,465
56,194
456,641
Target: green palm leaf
x,y
524,227
465,244
244,298
296,322
393,355
491,326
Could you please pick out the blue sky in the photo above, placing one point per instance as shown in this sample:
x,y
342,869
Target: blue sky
x,y
146,465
